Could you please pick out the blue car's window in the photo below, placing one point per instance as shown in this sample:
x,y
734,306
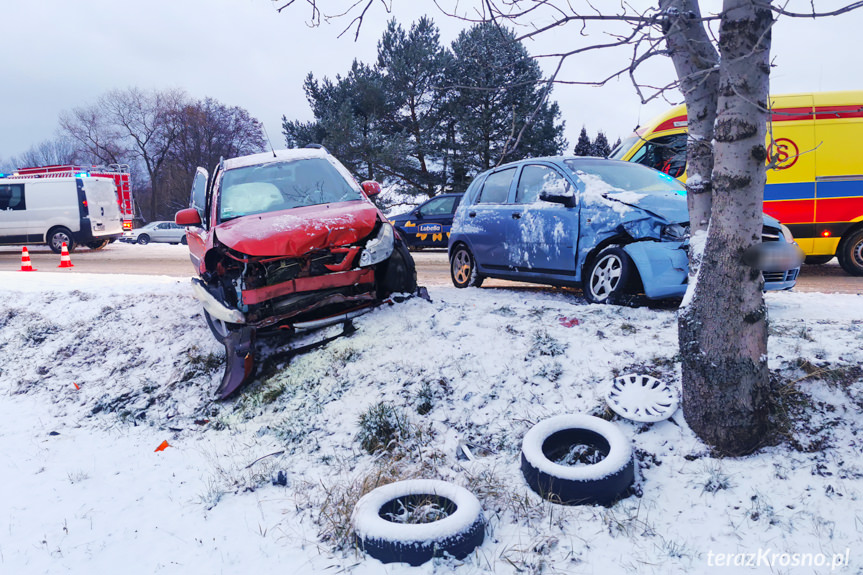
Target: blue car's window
x,y
439,207
496,187
624,176
535,179
282,186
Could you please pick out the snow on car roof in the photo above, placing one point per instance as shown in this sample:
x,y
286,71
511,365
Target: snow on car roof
x,y
275,156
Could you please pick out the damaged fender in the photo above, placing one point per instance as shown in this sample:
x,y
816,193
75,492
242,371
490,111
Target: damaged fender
x,y
663,267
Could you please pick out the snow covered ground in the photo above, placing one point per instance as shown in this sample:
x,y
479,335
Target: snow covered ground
x,y
97,371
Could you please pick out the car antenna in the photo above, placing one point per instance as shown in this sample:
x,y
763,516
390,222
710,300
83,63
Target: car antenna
x,y
268,140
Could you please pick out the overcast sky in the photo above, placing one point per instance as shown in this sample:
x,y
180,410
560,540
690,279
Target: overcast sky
x,y
58,55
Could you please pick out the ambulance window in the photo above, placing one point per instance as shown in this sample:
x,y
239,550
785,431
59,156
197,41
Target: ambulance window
x,y
12,197
666,154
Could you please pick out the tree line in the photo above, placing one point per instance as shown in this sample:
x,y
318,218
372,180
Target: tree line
x,y
424,117
162,135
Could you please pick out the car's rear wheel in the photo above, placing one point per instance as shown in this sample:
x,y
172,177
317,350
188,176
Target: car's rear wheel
x,y
98,244
143,239
462,268
608,276
850,253
184,241
59,236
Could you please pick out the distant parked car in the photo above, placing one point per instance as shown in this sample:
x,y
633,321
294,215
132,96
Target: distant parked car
x,y
160,232
616,229
428,225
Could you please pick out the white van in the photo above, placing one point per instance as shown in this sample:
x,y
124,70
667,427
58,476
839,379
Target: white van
x,y
74,210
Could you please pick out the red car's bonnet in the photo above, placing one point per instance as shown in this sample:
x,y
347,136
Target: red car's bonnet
x,y
295,232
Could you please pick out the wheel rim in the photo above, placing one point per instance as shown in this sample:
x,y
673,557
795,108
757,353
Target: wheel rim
x,y
857,254
605,277
461,266
58,239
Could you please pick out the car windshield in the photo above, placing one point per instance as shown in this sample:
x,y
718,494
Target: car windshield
x,y
282,186
620,150
611,177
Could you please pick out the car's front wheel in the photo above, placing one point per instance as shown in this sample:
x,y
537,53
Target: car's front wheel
x,y
608,276
462,267
143,239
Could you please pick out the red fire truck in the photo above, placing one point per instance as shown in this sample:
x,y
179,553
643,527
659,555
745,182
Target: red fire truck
x,y
117,172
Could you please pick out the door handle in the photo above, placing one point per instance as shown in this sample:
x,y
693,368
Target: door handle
x,y
471,214
516,215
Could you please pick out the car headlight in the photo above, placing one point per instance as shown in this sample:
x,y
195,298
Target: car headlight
x,y
379,248
674,233
786,233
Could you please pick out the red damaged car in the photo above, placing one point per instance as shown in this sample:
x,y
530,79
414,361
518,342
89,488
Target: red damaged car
x,y
286,242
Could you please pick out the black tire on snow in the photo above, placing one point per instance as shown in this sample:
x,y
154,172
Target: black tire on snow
x,y
462,268
143,239
600,483
388,541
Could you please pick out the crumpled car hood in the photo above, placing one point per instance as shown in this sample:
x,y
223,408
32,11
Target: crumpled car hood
x,y
292,233
667,205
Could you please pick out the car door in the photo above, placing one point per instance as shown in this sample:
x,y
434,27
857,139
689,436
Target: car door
x,y
434,220
487,219
542,235
197,236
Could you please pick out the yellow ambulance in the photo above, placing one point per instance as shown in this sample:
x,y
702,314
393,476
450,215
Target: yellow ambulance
x,y
816,189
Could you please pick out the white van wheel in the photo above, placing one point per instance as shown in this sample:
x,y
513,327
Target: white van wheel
x,y
59,236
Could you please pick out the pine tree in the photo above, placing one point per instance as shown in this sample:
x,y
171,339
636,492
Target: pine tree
x,y
600,147
497,89
582,146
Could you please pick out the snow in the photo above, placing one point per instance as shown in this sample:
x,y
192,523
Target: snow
x,y
97,370
619,454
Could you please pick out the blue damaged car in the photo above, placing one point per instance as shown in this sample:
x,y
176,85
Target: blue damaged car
x,y
616,229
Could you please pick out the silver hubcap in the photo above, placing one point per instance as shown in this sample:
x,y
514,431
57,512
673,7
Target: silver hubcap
x,y
857,254
605,277
461,267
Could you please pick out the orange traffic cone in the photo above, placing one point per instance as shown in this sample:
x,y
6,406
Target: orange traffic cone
x,y
26,266
65,260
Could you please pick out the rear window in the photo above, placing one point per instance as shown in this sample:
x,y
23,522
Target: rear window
x,y
495,190
282,186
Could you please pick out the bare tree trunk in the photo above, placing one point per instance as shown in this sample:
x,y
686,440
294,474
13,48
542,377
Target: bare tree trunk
x,y
723,329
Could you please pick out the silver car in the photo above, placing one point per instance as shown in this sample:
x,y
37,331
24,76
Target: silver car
x,y
163,232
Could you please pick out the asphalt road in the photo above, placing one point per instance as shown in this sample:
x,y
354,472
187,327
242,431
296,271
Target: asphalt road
x,y
432,266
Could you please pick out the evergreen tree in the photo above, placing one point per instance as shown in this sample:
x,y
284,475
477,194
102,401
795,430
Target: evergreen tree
x,y
497,89
413,66
600,147
582,146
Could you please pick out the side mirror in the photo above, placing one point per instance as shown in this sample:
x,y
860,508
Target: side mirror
x,y
188,217
567,200
371,188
